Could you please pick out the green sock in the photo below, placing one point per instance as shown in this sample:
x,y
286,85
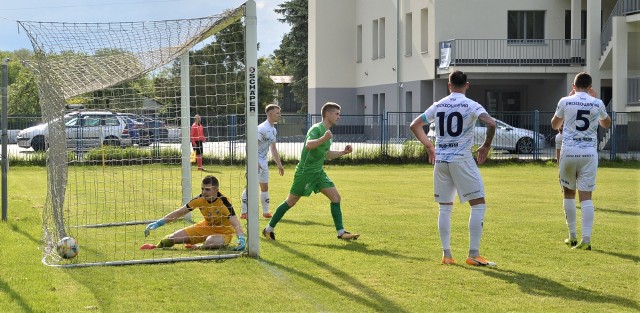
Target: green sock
x,y
165,243
280,211
337,215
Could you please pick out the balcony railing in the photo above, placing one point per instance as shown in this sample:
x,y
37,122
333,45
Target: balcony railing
x,y
514,52
622,7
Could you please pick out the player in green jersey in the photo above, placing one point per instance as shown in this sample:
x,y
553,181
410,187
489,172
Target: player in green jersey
x,y
310,177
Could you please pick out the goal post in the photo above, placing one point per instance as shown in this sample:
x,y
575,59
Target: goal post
x,y
124,160
253,227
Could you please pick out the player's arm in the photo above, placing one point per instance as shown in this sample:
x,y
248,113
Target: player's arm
x,y
490,123
606,122
237,227
276,157
418,131
332,154
315,140
556,122
167,219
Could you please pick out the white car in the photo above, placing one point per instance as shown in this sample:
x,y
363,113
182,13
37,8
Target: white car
x,y
83,130
507,137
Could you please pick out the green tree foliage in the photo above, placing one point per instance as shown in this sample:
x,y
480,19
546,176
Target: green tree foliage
x,y
293,50
267,89
22,91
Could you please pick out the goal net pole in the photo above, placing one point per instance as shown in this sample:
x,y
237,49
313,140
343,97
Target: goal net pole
x,y
251,53
185,139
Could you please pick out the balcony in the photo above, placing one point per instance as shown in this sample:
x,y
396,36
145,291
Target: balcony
x,y
512,52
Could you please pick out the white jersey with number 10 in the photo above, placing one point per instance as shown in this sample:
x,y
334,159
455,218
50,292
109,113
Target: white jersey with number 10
x,y
454,117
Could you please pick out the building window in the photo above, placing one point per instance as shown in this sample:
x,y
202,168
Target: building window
x,y
359,43
408,33
374,39
567,25
378,39
381,33
525,26
424,30
374,105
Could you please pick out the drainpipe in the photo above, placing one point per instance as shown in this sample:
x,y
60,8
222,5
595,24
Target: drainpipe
x,y
398,50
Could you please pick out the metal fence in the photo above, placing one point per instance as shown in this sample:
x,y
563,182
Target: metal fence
x,y
520,135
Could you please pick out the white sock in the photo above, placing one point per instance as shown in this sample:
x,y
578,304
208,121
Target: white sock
x,y
588,213
476,220
264,198
244,200
268,228
444,225
570,215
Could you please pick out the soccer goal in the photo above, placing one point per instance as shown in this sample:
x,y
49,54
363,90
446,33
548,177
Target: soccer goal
x,y
123,159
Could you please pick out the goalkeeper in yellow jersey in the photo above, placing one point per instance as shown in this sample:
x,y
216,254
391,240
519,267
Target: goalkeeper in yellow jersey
x,y
214,232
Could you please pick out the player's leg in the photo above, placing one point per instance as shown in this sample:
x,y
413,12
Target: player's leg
x,y
586,183
178,237
216,241
243,198
444,191
199,150
263,176
568,168
268,231
329,190
470,187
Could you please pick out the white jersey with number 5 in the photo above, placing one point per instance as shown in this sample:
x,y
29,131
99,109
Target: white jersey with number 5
x,y
454,117
581,113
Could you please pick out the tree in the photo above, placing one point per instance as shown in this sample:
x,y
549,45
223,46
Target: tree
x,y
22,91
267,67
293,49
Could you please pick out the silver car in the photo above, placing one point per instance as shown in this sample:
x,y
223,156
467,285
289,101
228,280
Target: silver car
x,y
83,130
512,139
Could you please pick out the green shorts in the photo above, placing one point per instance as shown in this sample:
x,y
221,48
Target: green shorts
x,y
305,183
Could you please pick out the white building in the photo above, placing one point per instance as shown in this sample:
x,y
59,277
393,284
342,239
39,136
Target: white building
x,y
374,56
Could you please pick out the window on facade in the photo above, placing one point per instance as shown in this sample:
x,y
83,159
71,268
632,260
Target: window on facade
x,y
424,30
374,39
381,33
567,25
374,104
359,43
525,26
408,33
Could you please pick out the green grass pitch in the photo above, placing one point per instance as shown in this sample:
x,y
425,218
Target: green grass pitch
x,y
393,267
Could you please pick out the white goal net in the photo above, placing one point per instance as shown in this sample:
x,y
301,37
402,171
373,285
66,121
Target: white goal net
x,y
119,100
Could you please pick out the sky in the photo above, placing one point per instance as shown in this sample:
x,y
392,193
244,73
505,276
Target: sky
x,y
270,30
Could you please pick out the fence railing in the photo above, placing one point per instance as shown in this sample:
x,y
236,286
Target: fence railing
x,y
521,135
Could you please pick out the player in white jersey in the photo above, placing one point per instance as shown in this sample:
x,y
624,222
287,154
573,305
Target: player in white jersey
x,y
266,141
579,115
455,169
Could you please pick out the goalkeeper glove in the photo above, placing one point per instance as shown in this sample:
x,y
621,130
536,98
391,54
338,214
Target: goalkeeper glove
x,y
242,243
153,226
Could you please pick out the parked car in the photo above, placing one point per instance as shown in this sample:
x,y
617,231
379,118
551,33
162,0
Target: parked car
x,y
83,130
507,137
137,131
157,129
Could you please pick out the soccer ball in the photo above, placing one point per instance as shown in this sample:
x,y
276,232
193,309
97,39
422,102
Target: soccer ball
x,y
67,248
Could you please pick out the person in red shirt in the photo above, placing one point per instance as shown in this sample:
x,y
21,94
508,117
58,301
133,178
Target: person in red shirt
x,y
197,140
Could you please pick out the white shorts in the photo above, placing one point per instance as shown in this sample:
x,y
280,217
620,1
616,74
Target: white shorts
x,y
463,178
578,169
263,175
